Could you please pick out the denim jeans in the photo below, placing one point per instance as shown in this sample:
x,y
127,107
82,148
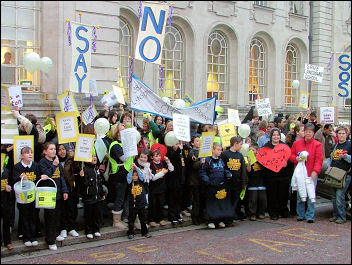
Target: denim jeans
x,y
338,201
301,212
120,189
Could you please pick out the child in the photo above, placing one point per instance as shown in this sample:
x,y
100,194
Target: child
x,y
5,209
92,193
256,188
157,187
29,170
49,168
234,162
213,175
137,201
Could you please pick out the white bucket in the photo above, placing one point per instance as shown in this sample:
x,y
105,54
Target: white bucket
x,y
25,191
45,197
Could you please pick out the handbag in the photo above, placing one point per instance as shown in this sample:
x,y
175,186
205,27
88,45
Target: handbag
x,y
335,177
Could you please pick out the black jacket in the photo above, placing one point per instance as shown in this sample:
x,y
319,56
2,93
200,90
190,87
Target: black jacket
x,y
92,190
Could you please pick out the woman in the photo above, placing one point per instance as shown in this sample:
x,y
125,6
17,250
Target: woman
x,y
341,158
277,183
160,122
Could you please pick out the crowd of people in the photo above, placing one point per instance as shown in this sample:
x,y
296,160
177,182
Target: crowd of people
x,y
168,182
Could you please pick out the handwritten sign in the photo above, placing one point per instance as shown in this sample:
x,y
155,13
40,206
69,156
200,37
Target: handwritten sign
x,y
119,94
113,97
327,115
19,142
15,93
313,73
5,98
274,158
227,131
181,127
84,147
233,117
303,100
89,114
206,144
263,106
67,127
68,103
129,142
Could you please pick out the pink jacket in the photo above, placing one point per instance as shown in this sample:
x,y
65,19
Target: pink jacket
x,y
315,157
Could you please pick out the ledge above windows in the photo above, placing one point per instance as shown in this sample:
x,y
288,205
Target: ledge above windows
x,y
263,14
297,22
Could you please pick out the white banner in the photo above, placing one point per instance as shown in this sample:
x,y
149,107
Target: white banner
x,y
313,73
344,74
144,99
263,106
151,33
129,142
16,96
81,57
181,127
327,115
233,117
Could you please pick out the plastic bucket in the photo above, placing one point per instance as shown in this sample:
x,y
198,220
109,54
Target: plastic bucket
x,y
45,197
25,191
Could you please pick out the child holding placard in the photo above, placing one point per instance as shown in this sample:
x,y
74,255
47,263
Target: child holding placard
x,y
256,188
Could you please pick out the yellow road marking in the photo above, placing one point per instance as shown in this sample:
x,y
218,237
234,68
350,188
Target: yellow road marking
x,y
276,243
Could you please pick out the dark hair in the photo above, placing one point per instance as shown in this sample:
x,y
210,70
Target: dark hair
x,y
341,128
313,114
255,145
327,126
26,150
235,139
89,129
272,132
194,137
32,118
112,113
156,117
46,145
153,152
125,114
309,126
144,151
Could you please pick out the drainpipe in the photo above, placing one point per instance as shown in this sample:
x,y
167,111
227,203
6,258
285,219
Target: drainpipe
x,y
310,42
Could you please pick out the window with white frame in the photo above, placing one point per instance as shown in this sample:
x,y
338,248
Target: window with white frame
x,y
20,31
296,7
261,3
172,61
217,73
291,73
257,70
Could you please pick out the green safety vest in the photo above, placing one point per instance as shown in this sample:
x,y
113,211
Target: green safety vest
x,y
152,139
114,165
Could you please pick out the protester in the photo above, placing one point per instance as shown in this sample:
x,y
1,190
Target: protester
x,y
324,136
5,210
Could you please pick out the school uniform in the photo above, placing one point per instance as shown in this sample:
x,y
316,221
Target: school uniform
x,y
5,209
256,191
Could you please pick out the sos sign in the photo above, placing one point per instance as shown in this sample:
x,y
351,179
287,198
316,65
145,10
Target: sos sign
x,y
345,75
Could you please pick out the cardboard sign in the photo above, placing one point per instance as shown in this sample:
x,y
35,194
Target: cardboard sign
x,y
327,115
67,127
263,106
119,94
19,142
251,155
109,99
89,114
313,73
68,103
129,142
15,93
303,100
274,159
93,90
5,98
84,147
206,144
233,117
227,131
181,126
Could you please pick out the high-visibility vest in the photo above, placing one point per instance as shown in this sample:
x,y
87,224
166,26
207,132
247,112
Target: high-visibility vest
x,y
114,164
152,139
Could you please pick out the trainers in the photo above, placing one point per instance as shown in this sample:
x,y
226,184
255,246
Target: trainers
x,y
340,221
332,219
261,216
28,243
97,234
73,233
174,222
147,235
9,246
63,233
310,221
162,223
253,218
60,238
20,237
153,224
211,226
222,225
90,236
34,243
53,247
180,220
130,236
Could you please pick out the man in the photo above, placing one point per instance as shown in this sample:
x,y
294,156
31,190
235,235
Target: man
x,y
312,119
324,135
253,124
266,137
7,72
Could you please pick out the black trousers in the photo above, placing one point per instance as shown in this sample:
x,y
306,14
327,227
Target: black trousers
x,y
69,213
198,203
156,203
277,195
52,220
256,202
142,214
174,203
6,220
27,221
92,217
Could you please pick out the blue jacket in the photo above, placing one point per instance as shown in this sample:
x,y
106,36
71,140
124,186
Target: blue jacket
x,y
213,172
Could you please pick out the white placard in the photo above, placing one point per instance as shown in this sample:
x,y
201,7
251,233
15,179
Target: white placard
x,y
100,148
109,99
15,93
233,117
84,146
206,144
20,142
67,127
313,73
129,142
119,95
92,88
89,114
181,126
263,106
327,115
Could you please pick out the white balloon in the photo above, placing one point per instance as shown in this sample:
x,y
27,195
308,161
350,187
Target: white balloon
x,y
170,139
295,84
31,61
46,64
101,126
244,130
166,100
244,149
283,137
179,103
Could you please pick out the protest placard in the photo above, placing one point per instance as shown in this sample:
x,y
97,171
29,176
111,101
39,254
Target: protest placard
x,y
327,115
206,144
67,127
227,131
129,142
233,117
181,127
19,142
89,114
263,106
313,73
343,67
84,147
274,158
93,90
15,93
5,98
303,100
67,103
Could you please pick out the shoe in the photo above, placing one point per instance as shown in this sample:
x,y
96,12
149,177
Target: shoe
x,y
20,237
222,225
285,215
79,205
180,220
53,247
73,233
97,234
299,219
34,243
63,233
340,221
310,221
186,213
90,236
130,236
9,246
147,235
211,226
162,223
153,224
174,222
332,219
60,238
261,217
253,218
28,243
274,217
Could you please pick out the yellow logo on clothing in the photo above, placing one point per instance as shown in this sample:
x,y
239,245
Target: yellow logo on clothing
x,y
256,167
30,176
56,173
234,164
4,182
221,194
136,190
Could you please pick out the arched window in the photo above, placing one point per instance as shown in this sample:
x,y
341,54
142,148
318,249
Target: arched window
x,y
124,58
217,73
291,73
257,70
172,61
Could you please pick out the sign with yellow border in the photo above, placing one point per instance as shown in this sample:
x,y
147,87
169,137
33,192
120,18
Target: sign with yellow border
x,y
19,142
5,98
206,144
67,127
71,103
227,131
89,114
84,147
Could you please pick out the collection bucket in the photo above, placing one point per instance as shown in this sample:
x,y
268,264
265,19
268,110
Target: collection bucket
x,y
45,197
25,191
